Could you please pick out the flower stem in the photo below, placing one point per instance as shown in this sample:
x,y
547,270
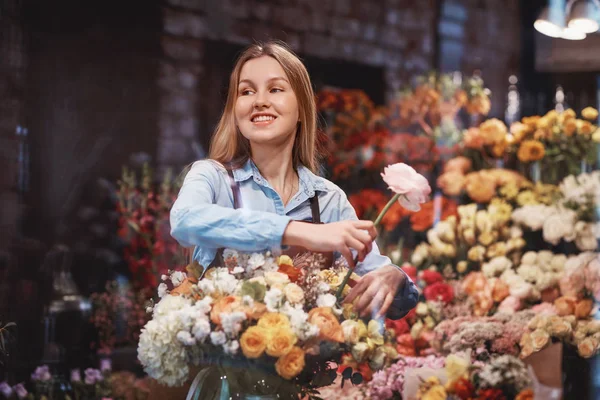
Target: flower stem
x,y
390,203
386,208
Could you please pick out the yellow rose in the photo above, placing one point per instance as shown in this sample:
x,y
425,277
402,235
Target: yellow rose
x,y
436,392
291,364
570,127
461,267
560,329
585,127
293,293
328,324
270,321
487,238
422,310
596,136
360,351
587,347
285,260
281,341
476,253
589,113
375,332
539,339
351,331
253,342
456,367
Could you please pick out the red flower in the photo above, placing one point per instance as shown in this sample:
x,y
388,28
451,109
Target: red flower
x,y
399,326
431,277
463,388
410,271
491,394
439,291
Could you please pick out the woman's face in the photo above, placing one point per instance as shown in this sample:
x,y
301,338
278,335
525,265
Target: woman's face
x,y
266,109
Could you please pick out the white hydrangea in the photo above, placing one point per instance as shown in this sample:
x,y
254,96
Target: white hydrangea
x,y
177,277
201,329
169,304
323,287
206,286
496,266
237,270
232,322
231,347
186,338
204,306
162,290
256,261
299,322
218,338
274,299
224,283
326,300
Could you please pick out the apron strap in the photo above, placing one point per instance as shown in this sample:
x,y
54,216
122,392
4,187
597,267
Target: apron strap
x,y
235,189
315,209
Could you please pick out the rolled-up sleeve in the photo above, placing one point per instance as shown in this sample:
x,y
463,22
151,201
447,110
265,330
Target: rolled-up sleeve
x,y
407,296
196,219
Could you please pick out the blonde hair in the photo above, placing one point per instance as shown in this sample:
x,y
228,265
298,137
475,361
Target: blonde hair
x,y
229,146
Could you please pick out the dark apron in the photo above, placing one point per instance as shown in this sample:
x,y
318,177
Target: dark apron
x,y
291,251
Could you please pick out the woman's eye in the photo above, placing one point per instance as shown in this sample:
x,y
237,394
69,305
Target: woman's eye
x,y
275,90
246,92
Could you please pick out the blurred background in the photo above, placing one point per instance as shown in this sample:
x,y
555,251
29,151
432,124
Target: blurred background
x,y
103,103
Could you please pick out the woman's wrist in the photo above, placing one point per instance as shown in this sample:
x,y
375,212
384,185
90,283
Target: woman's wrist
x,y
292,236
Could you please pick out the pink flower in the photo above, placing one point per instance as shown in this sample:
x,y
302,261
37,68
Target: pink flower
x,y
20,391
544,309
412,187
510,305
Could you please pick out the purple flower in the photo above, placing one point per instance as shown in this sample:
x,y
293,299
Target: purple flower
x,y
20,391
5,389
105,364
75,375
92,376
41,373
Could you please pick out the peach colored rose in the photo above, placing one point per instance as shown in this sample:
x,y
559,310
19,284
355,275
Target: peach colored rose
x,y
539,339
475,282
473,139
328,324
225,304
458,164
451,183
583,308
560,328
405,181
256,311
293,293
510,305
587,347
480,187
254,342
565,305
291,364
281,341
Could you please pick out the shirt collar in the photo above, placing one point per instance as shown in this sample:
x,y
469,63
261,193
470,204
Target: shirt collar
x,y
309,182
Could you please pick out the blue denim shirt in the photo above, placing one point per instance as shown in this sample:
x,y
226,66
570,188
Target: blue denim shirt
x,y
203,216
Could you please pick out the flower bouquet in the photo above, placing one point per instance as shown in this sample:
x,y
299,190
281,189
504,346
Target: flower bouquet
x,y
260,325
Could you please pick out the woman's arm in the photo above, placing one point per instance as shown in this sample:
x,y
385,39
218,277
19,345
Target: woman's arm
x,y
197,219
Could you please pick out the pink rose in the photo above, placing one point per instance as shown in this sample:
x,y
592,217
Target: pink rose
x,y
412,187
544,308
509,305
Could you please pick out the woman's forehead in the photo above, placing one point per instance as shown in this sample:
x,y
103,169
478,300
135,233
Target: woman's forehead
x,y
262,69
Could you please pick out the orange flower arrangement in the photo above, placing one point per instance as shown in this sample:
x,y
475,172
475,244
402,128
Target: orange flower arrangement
x,y
531,150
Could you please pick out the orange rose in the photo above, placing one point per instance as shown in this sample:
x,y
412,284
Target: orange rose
x,y
500,291
223,305
565,305
570,127
493,131
526,394
451,182
328,324
475,282
590,113
458,164
281,341
473,139
253,342
531,150
480,187
292,272
583,308
291,364
185,288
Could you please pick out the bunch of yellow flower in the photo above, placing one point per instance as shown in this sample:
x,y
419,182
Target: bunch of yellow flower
x,y
525,193
370,343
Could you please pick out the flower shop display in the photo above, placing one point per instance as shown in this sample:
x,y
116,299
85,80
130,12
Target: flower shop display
x,y
143,208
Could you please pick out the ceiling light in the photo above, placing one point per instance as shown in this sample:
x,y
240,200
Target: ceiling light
x,y
584,16
572,34
549,23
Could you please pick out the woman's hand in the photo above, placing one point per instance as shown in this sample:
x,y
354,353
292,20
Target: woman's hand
x,y
376,290
339,236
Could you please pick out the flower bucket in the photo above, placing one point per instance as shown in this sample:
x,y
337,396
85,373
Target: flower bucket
x,y
547,365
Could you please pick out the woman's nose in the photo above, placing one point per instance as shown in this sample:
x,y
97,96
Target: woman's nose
x,y
261,100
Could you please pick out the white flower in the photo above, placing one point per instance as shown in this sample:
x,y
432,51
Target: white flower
x,y
516,232
529,258
163,277
559,226
521,290
247,301
326,300
544,258
323,287
237,270
162,290
218,338
299,322
256,261
224,283
293,293
169,304
232,322
186,338
558,262
201,329
231,347
177,277
149,309
277,279
273,299
206,286
586,238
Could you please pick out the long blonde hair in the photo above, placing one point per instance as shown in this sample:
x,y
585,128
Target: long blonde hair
x,y
228,145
